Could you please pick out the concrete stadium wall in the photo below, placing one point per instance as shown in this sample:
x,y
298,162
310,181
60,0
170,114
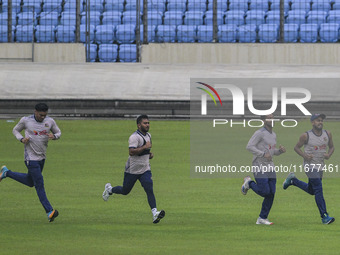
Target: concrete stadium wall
x,y
43,52
242,53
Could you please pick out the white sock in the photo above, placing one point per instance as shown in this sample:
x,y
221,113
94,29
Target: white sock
x,y
154,211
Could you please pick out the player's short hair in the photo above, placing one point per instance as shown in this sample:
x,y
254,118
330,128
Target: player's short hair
x,y
141,117
41,107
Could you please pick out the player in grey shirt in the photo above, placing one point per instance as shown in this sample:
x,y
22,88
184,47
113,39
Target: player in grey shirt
x,y
315,142
138,167
263,147
39,129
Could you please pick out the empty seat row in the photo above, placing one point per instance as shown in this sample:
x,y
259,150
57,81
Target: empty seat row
x,y
113,52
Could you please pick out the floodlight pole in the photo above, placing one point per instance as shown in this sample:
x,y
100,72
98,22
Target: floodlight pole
x,y
138,31
9,24
282,20
214,20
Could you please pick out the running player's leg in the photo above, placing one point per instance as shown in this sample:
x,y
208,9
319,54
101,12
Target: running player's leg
x,y
147,183
35,171
23,178
128,183
316,184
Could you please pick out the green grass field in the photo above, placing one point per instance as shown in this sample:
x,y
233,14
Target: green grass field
x,y
203,216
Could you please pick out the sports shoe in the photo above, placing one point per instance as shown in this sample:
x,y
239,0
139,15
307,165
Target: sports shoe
x,y
52,215
3,172
158,216
326,219
107,191
245,186
288,180
263,221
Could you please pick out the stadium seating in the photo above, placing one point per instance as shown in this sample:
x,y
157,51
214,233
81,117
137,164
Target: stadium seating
x,y
112,18
186,33
241,5
155,18
108,52
208,17
197,5
52,5
114,5
129,17
321,5
151,33
16,6
329,32
24,33
83,29
193,18
95,17
173,18
130,5
205,34
308,33
49,18
333,18
336,5
93,52
255,17
26,18
273,18
301,5
156,5
4,33
127,53
268,33
125,33
275,5
260,5
31,5
65,34
4,18
233,18
227,33
68,19
316,18
222,5
97,6
70,5
45,33
296,19
166,33
177,5
105,34
247,33
291,32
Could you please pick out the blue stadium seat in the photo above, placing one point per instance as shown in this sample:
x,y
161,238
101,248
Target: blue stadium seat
x,y
30,5
255,17
336,4
227,33
247,33
177,5
301,5
166,33
130,5
25,18
45,33
329,32
83,29
108,52
232,18
308,33
97,5
333,18
127,53
261,5
68,19
296,19
291,32
208,17
151,33
105,34
268,33
95,17
156,5
93,52
114,5
197,5
49,18
205,34
72,6
316,19
297,13
173,18
186,33
222,5
241,5
273,18
155,18
24,33
112,18
65,34
52,5
275,5
129,17
16,6
193,18
4,33
321,5
4,18
126,33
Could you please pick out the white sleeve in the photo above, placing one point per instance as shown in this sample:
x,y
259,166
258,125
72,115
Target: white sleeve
x,y
251,146
56,130
18,128
133,141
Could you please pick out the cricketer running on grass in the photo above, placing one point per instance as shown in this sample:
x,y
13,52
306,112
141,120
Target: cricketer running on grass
x,y
39,129
263,147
